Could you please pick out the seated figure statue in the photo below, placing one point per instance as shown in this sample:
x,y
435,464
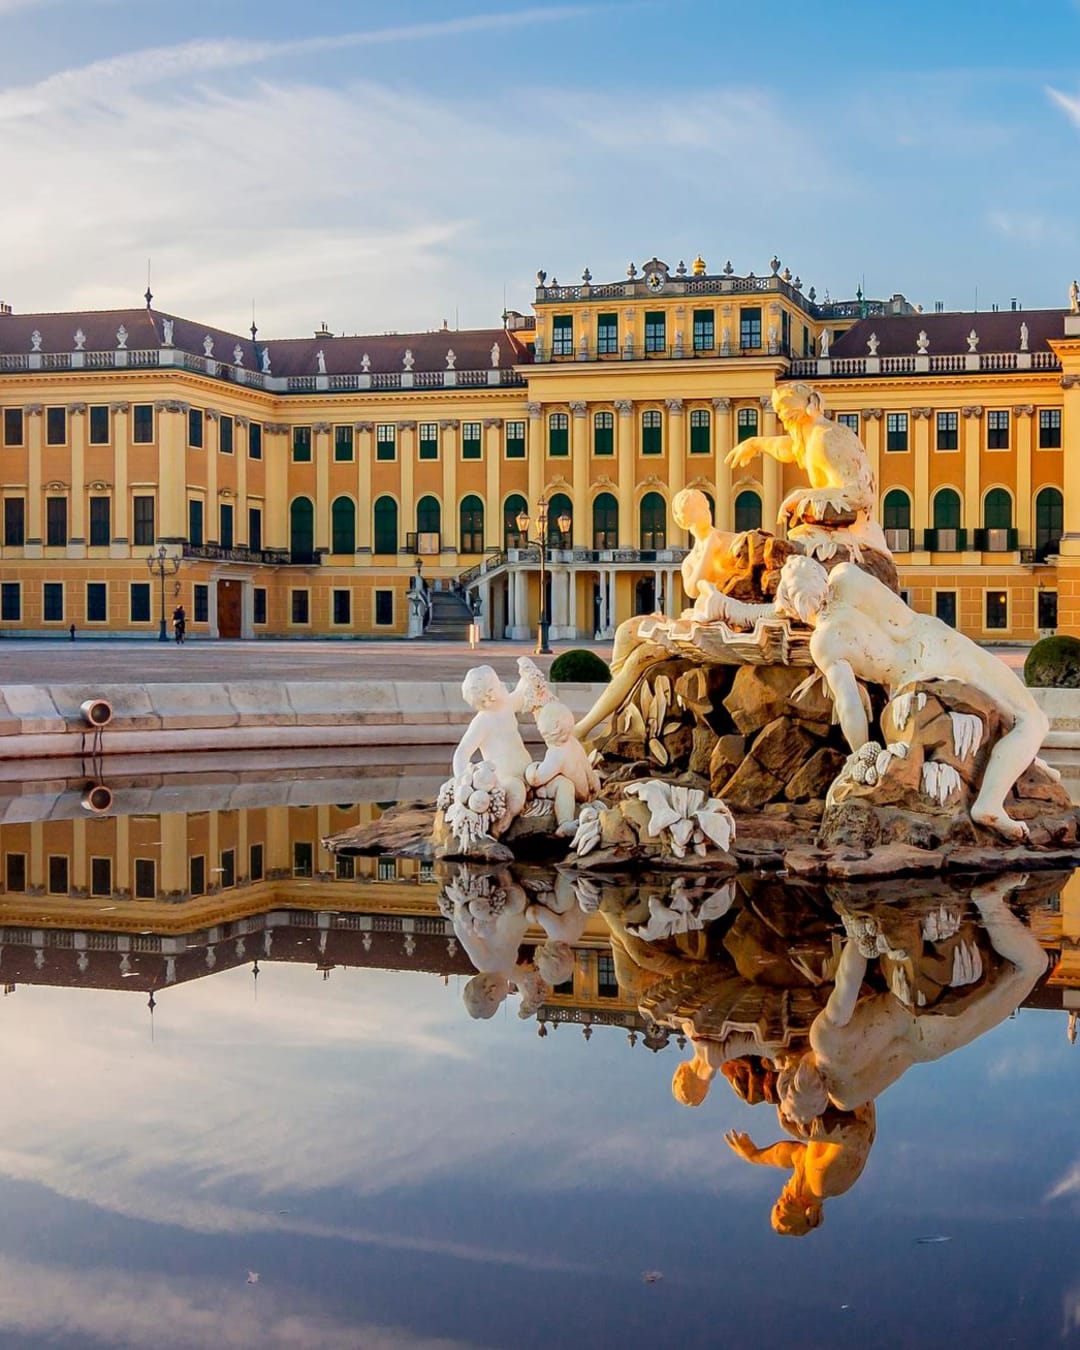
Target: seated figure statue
x,y
840,506
864,631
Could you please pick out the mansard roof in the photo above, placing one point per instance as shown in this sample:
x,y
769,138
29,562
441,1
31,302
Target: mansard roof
x,y
998,331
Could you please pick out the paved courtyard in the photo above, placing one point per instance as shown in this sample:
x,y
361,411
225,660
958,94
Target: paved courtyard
x,y
115,662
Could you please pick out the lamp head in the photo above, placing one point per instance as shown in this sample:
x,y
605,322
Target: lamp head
x,y
523,522
564,523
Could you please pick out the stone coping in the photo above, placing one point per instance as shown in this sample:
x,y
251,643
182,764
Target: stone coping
x,y
45,720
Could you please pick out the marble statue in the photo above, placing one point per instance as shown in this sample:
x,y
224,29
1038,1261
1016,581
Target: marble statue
x,y
121,338
824,343
208,346
238,355
167,332
451,358
564,776
973,341
873,342
320,361
922,342
265,358
35,341
864,631
80,340
1023,337
493,734
495,356
365,363
1074,297
408,360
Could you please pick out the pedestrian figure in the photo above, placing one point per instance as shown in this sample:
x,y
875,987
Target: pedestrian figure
x,y
179,622
71,630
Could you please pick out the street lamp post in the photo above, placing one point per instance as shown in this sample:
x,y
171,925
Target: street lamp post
x,y
165,566
542,531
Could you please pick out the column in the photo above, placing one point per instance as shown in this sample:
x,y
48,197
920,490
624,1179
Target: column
x,y
571,618
211,448
722,438
658,590
278,857
122,866
625,457
920,507
536,455
521,629
493,524
321,433
363,434
37,879
77,436
79,879
579,451
972,508
603,601
1068,570
511,603
872,440
35,531
609,626
276,460
448,453
172,475
1024,424
772,480
677,447
673,607
174,878
118,545
484,617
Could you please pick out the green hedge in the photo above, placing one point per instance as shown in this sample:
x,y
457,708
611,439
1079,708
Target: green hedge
x,y
1054,663
579,666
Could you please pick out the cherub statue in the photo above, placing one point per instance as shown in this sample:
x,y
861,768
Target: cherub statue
x,y
564,776
841,479
864,631
494,733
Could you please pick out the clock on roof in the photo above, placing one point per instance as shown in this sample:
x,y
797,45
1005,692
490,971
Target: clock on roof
x,y
655,282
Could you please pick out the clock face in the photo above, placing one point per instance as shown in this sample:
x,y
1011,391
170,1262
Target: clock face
x,y
655,281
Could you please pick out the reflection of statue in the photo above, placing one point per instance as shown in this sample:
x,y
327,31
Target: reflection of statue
x,y
489,921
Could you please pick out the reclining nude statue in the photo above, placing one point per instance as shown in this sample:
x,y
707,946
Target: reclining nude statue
x,y
864,631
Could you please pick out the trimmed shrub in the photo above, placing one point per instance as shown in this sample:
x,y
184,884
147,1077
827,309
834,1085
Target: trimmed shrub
x,y
1054,663
579,666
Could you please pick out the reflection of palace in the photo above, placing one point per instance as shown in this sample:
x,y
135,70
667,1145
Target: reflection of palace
x,y
304,480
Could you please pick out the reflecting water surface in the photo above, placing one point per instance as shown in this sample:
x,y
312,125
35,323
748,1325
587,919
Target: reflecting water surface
x,y
262,1095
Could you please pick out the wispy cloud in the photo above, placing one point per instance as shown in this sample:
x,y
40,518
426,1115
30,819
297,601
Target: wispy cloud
x,y
157,65
1068,1184
1068,103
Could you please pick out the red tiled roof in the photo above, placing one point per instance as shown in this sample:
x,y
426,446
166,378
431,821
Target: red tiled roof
x,y
999,331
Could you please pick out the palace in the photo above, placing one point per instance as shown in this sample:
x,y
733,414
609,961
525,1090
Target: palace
x,y
308,484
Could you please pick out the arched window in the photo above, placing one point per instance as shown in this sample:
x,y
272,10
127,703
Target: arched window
x,y
896,510
471,531
605,520
653,512
512,536
997,510
343,526
1049,521
947,510
428,516
386,525
559,505
747,512
302,529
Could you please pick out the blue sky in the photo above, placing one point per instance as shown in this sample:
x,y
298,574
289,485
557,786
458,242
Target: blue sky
x,y
388,165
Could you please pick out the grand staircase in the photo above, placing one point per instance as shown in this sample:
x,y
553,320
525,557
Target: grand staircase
x,y
450,617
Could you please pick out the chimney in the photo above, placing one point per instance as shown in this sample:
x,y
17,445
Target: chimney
x,y
323,331
4,309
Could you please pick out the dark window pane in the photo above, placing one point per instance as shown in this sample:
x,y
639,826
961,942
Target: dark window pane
x,y
225,435
197,875
58,875
228,867
144,520
100,521
13,426
96,602
259,604
145,879
195,428
14,521
99,425
301,445
255,440
343,444
11,601
142,425
255,864
300,606
140,601
254,527
225,526
55,426
56,533
384,607
201,604
303,858
342,606
195,522
16,872
101,876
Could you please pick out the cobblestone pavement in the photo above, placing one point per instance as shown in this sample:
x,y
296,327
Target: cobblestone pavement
x,y
117,662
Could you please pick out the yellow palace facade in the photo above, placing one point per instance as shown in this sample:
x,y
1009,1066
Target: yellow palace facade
x,y
306,483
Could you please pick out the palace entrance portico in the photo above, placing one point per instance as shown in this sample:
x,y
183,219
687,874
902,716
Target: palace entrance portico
x,y
231,603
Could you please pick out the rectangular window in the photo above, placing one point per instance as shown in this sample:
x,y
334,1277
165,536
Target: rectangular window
x,y
1047,616
700,431
745,423
704,330
997,429
342,607
849,420
997,609
258,599
55,426
142,423
945,607
14,522
607,982
301,445
385,441
13,426
652,434
255,862
225,434
255,440
11,601
195,522
562,335
607,335
655,331
228,867
604,433
558,435
197,875
1049,428
101,876
255,528
429,440
144,520
200,603
515,440
749,328
145,879
52,601
343,445
195,428
100,521
948,431
56,532
58,875
225,525
471,444
303,858
16,872
301,607
99,425
344,866
896,437
97,602
386,869
139,602
384,607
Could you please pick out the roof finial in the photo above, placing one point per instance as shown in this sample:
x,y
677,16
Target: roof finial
x,y
149,293
254,330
